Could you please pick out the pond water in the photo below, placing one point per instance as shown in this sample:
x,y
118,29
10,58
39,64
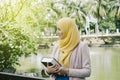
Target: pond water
x,y
105,63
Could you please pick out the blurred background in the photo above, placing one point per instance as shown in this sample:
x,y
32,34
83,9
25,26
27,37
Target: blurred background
x,y
28,33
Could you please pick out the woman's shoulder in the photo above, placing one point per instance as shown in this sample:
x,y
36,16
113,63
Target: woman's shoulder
x,y
81,43
55,45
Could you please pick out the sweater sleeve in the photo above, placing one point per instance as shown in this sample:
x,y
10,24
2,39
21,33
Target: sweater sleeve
x,y
86,67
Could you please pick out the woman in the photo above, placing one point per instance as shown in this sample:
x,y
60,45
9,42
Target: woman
x,y
72,53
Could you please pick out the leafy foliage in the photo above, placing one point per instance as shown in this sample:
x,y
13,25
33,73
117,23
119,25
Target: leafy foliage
x,y
17,36
102,10
13,44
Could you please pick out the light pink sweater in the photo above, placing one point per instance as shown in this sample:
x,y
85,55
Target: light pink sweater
x,y
79,62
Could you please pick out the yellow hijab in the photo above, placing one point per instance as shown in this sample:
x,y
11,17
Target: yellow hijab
x,y
70,39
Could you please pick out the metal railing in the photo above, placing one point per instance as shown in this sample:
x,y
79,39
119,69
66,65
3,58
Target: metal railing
x,y
11,76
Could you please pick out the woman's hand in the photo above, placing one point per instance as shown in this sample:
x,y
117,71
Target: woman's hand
x,y
53,69
63,71
57,69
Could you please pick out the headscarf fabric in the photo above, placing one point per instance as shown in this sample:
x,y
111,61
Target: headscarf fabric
x,y
70,39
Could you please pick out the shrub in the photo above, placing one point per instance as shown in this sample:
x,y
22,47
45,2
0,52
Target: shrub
x,y
14,42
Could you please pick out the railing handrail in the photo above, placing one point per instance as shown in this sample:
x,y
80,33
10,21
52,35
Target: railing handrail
x,y
91,35
10,76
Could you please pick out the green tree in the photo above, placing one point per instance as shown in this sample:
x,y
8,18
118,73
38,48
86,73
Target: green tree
x,y
20,26
66,8
115,12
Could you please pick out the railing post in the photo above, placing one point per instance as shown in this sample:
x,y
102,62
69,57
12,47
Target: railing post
x,y
117,30
107,32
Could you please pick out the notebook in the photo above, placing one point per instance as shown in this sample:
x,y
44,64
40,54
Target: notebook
x,y
49,61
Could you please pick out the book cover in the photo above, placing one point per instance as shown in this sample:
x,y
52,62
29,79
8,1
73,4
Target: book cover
x,y
49,61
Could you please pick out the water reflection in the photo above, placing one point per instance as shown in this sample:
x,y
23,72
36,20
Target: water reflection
x,y
28,64
105,63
